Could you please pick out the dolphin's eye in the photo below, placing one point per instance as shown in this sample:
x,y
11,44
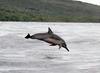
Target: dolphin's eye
x,y
64,45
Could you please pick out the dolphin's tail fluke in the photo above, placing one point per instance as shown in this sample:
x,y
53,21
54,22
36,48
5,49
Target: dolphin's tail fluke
x,y
28,36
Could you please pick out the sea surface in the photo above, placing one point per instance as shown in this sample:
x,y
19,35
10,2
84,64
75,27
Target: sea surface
x,y
20,55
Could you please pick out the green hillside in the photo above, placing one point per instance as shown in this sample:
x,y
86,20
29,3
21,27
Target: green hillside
x,y
48,10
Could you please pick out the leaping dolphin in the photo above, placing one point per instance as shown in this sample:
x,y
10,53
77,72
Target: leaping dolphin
x,y
50,38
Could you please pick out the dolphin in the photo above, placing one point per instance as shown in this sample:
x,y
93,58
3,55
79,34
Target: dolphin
x,y
50,38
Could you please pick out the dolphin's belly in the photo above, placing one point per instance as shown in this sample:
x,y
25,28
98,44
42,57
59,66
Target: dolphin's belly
x,y
53,41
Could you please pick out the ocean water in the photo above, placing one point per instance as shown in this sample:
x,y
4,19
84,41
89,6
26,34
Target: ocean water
x,y
20,55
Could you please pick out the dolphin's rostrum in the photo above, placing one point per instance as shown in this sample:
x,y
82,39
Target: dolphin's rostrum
x,y
49,37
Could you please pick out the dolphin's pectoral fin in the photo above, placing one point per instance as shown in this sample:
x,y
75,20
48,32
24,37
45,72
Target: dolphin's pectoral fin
x,y
52,44
60,46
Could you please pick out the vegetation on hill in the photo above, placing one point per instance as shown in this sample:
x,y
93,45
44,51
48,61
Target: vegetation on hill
x,y
48,10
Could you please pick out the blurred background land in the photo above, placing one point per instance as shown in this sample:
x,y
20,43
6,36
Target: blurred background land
x,y
48,10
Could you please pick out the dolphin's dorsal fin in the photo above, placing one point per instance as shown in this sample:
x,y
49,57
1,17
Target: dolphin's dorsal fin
x,y
49,30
